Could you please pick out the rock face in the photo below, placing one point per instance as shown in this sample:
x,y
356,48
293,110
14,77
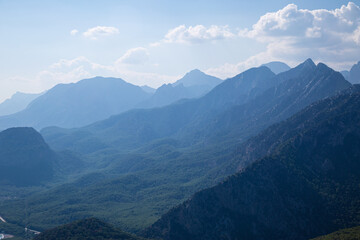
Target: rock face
x,y
25,159
306,187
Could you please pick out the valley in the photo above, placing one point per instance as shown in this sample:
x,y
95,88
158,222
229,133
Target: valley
x,y
144,162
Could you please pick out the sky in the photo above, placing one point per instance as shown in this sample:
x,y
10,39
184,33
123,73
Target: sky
x,y
152,42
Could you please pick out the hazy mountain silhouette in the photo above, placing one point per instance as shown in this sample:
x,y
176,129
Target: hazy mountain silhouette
x,y
148,89
78,104
277,67
241,106
346,74
193,85
198,78
140,126
354,74
19,101
306,187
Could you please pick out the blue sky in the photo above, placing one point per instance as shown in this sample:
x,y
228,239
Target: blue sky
x,y
151,42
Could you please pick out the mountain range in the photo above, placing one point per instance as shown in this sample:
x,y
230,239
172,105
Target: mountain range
x,y
77,104
193,85
306,187
91,100
237,108
288,141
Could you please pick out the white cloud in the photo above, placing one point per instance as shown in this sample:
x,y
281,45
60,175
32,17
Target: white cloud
x,y
74,32
73,70
100,31
293,35
137,55
356,36
196,34
324,34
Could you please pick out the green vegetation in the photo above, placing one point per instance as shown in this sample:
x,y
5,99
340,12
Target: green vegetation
x,y
25,159
344,234
136,166
308,186
90,229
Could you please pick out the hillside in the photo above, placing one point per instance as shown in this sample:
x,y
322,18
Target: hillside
x,y
344,234
25,159
307,187
90,229
77,104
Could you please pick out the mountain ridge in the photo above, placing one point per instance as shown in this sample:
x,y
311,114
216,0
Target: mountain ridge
x,y
300,190
77,104
193,84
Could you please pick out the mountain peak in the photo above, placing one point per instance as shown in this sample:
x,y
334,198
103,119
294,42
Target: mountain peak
x,y
309,63
277,67
322,66
194,71
196,77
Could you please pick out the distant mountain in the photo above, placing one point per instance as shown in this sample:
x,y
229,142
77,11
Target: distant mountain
x,y
19,101
90,229
240,107
147,161
193,85
167,94
344,234
277,67
295,89
346,74
306,187
148,89
137,127
354,74
198,78
78,104
25,159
